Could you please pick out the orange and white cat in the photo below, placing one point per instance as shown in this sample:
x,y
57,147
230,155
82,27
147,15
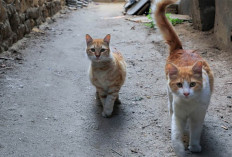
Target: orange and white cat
x,y
189,85
107,72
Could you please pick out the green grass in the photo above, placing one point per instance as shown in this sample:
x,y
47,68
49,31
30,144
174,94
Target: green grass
x,y
150,24
174,21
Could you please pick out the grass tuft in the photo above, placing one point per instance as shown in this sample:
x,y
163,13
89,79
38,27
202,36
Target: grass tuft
x,y
174,21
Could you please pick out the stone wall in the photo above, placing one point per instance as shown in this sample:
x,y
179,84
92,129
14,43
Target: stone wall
x,y
208,14
185,7
223,23
203,14
201,11
18,17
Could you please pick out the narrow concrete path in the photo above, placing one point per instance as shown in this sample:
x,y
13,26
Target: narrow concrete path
x,y
48,105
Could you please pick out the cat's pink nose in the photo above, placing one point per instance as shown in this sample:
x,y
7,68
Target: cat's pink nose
x,y
186,94
97,55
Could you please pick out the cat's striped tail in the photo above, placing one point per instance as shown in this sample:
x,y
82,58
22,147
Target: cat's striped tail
x,y
165,26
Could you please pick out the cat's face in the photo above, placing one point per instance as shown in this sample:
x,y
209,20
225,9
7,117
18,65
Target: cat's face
x,y
185,82
98,49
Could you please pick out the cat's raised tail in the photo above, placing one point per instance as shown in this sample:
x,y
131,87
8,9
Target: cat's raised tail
x,y
165,26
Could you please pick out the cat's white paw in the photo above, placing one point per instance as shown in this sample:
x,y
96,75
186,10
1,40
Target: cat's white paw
x,y
178,148
194,148
106,114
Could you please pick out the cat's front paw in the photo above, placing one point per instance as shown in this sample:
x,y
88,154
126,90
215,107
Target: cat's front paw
x,y
106,114
194,148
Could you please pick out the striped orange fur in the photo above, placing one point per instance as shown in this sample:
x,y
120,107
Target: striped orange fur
x,y
107,72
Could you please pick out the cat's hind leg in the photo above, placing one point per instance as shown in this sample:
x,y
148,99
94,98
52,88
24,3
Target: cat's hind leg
x,y
195,126
178,124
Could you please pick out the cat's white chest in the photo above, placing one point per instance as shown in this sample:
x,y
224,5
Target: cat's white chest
x,y
102,78
99,78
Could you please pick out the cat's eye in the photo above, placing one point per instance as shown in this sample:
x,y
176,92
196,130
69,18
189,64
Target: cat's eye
x,y
179,85
192,84
93,50
102,50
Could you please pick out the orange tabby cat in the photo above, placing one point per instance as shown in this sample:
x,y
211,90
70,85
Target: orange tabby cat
x,y
107,72
189,86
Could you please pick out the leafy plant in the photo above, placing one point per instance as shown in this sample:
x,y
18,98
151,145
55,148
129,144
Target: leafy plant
x,y
174,21
150,24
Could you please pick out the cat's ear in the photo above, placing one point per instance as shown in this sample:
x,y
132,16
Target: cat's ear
x,y
88,39
172,71
107,39
197,69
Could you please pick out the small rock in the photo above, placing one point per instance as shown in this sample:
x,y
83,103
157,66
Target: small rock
x,y
224,127
20,86
18,58
53,19
134,151
37,30
133,28
63,12
49,20
72,8
138,99
229,97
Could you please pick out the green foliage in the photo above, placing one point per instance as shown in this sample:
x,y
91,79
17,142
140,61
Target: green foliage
x,y
150,24
173,20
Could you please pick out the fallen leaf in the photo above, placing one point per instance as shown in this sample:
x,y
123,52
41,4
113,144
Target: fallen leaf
x,y
224,127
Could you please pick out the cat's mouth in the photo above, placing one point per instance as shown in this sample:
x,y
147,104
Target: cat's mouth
x,y
98,59
186,96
